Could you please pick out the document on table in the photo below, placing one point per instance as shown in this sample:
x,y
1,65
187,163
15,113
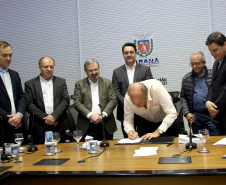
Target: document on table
x,y
129,141
221,142
185,139
146,151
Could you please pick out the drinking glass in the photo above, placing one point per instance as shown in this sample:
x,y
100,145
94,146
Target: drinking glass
x,y
56,139
77,135
19,138
203,136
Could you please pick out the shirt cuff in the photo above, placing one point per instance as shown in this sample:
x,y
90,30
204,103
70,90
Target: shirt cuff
x,y
104,114
20,113
88,115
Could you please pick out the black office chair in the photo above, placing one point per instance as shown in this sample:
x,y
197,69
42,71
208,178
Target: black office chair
x,y
180,117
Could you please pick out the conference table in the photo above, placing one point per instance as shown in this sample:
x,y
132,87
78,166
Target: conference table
x,y
117,165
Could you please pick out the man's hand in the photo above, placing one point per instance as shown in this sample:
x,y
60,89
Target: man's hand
x,y
55,124
96,118
132,134
49,120
151,135
15,120
212,109
190,117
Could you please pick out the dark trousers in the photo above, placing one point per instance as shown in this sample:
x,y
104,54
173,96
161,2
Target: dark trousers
x,y
96,131
145,126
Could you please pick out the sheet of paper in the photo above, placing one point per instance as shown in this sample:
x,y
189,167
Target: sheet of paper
x,y
127,141
221,142
185,139
146,151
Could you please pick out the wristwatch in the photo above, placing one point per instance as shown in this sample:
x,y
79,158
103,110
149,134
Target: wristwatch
x,y
160,131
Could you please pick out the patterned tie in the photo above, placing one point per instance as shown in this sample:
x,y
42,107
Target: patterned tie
x,y
10,92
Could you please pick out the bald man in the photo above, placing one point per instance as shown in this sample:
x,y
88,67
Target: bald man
x,y
47,101
150,100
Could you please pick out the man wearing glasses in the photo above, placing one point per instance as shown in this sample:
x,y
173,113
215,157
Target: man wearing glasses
x,y
194,91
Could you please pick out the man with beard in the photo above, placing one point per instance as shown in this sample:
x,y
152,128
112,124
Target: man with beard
x,y
89,94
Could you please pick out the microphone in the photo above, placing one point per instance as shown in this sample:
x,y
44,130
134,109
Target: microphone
x,y
103,143
191,145
194,145
204,116
4,156
32,148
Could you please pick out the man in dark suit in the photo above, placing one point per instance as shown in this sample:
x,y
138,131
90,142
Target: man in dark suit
x,y
47,102
125,75
89,93
216,99
12,101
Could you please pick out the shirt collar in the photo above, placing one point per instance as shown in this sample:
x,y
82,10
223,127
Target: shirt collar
x,y
134,65
92,82
43,80
6,69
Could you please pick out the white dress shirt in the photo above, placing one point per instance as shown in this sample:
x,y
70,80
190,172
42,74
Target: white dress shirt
x,y
47,91
130,72
159,107
95,99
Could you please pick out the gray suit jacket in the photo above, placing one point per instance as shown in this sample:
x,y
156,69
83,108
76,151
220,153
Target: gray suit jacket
x,y
83,103
120,83
35,103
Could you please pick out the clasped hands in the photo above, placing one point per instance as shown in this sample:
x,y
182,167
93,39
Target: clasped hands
x,y
132,135
15,120
96,118
50,120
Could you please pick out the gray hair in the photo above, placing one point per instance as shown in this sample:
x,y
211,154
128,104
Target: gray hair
x,y
200,53
90,61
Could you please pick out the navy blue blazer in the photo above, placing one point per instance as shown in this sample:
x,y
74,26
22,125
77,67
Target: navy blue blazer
x,y
5,104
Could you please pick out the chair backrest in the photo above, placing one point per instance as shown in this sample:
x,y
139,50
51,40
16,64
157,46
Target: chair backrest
x,y
180,117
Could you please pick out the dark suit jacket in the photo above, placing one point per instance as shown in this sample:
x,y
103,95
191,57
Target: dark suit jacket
x,y
5,104
83,103
35,104
120,83
217,91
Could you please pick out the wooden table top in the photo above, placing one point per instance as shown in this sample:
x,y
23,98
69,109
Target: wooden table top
x,y
120,158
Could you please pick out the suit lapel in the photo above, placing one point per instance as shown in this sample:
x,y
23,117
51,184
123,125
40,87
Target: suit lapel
x,y
2,85
54,88
13,82
39,88
137,69
100,89
88,88
124,73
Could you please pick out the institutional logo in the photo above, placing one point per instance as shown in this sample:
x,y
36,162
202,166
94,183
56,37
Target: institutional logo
x,y
163,80
144,44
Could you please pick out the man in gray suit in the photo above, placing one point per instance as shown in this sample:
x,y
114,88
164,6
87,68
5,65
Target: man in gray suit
x,y
47,101
125,75
95,102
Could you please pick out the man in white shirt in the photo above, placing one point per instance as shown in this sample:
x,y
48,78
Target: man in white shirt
x,y
125,75
95,102
12,98
47,102
150,100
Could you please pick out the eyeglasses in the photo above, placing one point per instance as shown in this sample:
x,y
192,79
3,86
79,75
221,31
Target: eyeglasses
x,y
195,63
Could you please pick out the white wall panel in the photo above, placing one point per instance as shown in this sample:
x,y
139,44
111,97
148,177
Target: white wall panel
x,y
40,28
180,28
